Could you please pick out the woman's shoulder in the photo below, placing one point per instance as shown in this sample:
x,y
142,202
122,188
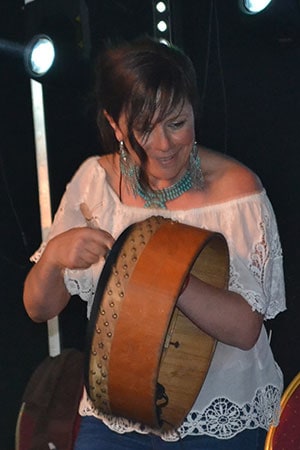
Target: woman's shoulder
x,y
89,164
96,165
227,178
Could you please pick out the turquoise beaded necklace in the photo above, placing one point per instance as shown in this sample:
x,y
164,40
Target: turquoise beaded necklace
x,y
193,178
159,197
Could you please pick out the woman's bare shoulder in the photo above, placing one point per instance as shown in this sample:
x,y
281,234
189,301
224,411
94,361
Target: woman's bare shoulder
x,y
226,177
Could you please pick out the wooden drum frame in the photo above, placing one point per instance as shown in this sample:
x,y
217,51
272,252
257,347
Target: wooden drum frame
x,y
146,361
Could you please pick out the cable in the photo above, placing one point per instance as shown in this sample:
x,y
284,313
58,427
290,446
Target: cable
x,y
14,211
219,59
209,33
214,20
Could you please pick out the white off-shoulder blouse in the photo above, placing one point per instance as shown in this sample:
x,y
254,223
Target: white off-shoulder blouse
x,y
242,389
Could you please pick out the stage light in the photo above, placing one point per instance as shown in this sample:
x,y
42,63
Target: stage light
x,y
162,21
162,26
274,21
38,55
161,7
253,6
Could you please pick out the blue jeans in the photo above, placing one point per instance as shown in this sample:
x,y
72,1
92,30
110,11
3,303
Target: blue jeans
x,y
94,435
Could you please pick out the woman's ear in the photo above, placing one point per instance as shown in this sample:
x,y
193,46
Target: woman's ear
x,y
114,125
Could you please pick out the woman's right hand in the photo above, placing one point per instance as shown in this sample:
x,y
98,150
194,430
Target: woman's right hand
x,y
45,293
78,248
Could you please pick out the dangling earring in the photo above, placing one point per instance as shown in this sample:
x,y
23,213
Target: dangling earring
x,y
197,177
128,169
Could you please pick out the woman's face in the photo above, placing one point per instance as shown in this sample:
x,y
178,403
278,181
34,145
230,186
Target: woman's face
x,y
167,145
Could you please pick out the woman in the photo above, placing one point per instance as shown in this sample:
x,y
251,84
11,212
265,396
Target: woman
x,y
147,115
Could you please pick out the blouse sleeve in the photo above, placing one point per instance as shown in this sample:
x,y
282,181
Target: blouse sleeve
x,y
80,189
256,265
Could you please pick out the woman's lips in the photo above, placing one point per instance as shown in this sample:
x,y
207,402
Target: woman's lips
x,y
167,159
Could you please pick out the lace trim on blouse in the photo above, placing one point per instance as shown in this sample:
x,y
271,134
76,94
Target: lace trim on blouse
x,y
222,419
264,250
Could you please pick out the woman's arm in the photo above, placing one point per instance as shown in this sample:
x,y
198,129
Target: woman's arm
x,y
223,314
45,294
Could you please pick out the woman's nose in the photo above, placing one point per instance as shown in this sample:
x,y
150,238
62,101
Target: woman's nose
x,y
160,138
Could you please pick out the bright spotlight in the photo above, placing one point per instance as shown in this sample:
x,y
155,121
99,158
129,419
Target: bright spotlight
x,y
161,7
39,55
162,20
164,41
254,6
162,26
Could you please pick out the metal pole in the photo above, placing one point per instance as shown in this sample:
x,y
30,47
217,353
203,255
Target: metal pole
x,y
44,191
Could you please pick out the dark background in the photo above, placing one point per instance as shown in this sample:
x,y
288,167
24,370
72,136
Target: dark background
x,y
249,71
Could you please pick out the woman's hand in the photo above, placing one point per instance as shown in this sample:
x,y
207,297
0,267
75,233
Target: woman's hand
x,y
78,248
45,294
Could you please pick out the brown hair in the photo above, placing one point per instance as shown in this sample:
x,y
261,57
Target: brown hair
x,y
140,78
